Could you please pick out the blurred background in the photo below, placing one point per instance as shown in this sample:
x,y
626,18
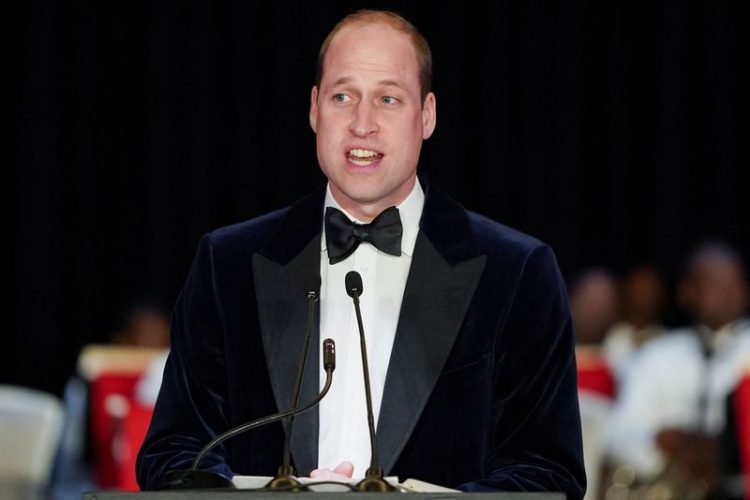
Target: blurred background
x,y
609,130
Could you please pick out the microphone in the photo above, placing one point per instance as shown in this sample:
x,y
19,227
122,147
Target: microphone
x,y
194,478
284,478
373,480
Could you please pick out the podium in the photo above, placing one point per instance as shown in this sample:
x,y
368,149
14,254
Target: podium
x,y
271,495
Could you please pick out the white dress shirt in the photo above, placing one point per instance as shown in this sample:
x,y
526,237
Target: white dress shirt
x,y
664,389
620,345
343,433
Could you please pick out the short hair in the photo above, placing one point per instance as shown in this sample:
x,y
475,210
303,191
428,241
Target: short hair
x,y
713,251
395,21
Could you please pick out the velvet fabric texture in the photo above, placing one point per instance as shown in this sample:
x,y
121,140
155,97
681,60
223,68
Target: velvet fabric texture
x,y
481,386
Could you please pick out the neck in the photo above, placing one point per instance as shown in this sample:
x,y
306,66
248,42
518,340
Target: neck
x,y
365,211
717,325
639,323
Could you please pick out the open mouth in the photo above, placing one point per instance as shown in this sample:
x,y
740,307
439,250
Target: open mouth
x,y
363,157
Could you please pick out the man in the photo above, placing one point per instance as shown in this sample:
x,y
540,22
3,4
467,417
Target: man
x,y
594,308
467,322
594,305
643,296
673,400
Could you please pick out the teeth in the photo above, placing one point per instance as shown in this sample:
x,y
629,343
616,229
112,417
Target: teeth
x,y
362,153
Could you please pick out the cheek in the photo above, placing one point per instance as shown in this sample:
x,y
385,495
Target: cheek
x,y
326,132
407,132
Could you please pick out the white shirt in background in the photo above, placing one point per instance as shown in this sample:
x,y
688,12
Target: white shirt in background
x,y
663,390
620,348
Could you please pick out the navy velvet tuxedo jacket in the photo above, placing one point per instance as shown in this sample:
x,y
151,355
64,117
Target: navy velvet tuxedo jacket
x,y
481,384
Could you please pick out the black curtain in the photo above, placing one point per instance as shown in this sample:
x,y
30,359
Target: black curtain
x,y
607,129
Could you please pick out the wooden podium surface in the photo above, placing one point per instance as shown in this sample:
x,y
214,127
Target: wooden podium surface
x,y
271,495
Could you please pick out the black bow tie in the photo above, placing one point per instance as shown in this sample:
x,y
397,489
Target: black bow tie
x,y
344,236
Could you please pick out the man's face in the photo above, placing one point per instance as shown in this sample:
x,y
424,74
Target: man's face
x,y
368,118
716,292
721,293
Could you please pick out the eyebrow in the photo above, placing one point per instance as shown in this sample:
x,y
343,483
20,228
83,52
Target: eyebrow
x,y
386,83
390,83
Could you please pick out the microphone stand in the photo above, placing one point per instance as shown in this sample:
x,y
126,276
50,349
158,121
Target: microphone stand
x,y
195,478
374,480
284,478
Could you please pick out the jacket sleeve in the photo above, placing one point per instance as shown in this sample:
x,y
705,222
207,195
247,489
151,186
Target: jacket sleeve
x,y
536,434
191,407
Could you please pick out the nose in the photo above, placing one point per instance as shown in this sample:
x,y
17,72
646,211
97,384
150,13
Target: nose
x,y
364,121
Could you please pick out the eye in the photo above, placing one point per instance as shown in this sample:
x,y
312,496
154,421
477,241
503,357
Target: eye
x,y
388,99
341,98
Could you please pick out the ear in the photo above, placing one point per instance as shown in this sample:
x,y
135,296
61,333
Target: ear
x,y
314,109
429,115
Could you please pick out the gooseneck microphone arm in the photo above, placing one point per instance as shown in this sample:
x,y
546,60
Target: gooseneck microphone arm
x,y
354,289
195,478
329,364
312,296
284,478
373,480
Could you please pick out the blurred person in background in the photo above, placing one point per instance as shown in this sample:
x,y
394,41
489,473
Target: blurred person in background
x,y
642,301
594,305
594,309
672,407
142,325
147,326
139,325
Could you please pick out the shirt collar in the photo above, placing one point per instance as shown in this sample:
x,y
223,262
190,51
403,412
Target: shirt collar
x,y
410,211
717,339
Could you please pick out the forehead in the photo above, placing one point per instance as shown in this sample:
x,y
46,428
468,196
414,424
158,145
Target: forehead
x,y
371,49
718,270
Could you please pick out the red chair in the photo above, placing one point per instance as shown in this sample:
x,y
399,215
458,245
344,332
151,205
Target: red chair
x,y
112,372
131,436
596,389
107,392
742,409
594,375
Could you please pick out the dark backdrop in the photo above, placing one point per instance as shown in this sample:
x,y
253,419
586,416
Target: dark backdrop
x,y
609,130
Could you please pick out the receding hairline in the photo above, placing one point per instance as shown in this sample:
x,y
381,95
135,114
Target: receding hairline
x,y
394,21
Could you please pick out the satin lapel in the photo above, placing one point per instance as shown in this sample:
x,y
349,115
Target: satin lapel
x,y
280,272
445,271
282,313
436,299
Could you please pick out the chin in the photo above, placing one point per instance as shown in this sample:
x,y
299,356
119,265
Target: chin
x,y
364,197
363,188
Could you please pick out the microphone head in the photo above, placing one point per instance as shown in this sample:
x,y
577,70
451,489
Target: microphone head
x,y
329,355
312,285
353,284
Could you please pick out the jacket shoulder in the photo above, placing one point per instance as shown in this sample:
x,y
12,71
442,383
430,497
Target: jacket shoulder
x,y
246,236
498,240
